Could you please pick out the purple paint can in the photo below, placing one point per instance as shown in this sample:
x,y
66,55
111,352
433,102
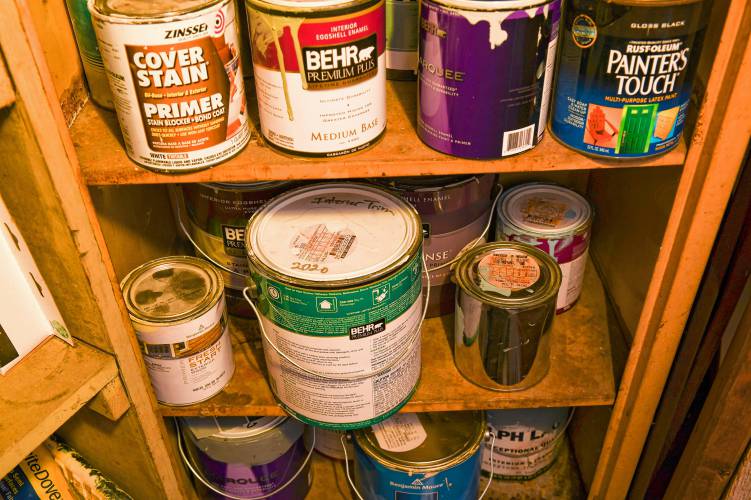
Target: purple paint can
x,y
485,74
248,457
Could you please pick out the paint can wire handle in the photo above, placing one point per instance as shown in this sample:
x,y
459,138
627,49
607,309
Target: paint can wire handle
x,y
346,468
216,490
490,435
557,438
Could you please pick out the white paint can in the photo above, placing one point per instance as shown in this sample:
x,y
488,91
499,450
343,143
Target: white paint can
x,y
329,443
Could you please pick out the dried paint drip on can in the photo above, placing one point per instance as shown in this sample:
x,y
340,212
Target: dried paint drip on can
x,y
320,73
402,20
626,72
505,308
556,220
421,455
329,443
248,457
175,73
337,274
527,442
176,305
485,74
454,212
96,77
218,214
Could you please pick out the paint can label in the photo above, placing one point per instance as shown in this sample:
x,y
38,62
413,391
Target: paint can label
x,y
401,34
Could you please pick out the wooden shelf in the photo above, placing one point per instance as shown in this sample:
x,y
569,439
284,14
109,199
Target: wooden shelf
x,y
43,391
581,372
97,138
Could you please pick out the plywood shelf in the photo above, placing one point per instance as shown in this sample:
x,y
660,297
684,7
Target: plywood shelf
x,y
97,138
43,391
581,371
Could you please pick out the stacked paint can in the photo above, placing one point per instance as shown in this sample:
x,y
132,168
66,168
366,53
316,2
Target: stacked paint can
x,y
93,66
333,444
401,39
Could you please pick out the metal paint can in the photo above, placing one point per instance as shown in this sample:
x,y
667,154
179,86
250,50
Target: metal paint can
x,y
217,216
320,73
175,73
337,270
527,442
626,73
248,457
421,455
329,443
505,306
454,211
176,305
402,21
556,220
495,58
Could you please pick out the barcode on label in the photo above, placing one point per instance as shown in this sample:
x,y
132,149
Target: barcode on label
x,y
518,140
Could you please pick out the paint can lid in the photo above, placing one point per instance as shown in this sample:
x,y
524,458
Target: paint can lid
x,y
333,235
494,5
307,5
148,9
423,441
545,210
244,186
171,290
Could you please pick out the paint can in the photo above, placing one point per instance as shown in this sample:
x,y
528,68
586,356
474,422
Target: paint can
x,y
495,58
175,74
454,211
320,73
625,75
505,306
217,216
527,441
425,455
176,305
556,220
247,457
402,20
329,443
336,271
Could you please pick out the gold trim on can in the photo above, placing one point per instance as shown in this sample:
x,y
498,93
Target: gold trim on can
x,y
151,12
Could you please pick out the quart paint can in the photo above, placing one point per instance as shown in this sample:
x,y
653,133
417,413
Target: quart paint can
x,y
505,306
527,442
421,455
337,272
556,220
176,305
175,74
329,443
320,73
485,74
402,21
217,215
248,457
625,75
454,211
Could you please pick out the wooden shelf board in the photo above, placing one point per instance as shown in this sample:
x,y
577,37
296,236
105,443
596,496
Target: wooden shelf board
x,y
581,372
43,391
97,138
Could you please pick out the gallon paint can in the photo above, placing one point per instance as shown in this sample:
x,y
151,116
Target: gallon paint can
x,y
402,21
217,216
320,73
454,211
329,443
175,74
176,305
505,306
247,457
421,455
485,74
625,75
336,271
556,220
527,442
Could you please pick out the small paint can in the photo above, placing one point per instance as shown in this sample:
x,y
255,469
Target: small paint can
x,y
454,211
495,58
402,21
556,220
626,73
527,442
505,306
329,443
247,457
176,305
421,455
320,73
175,74
217,216
336,271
